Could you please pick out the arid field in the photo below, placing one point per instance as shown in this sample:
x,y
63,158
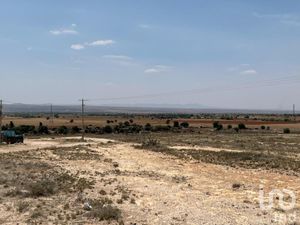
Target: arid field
x,y
186,176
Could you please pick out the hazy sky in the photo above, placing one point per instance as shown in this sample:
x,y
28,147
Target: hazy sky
x,y
219,53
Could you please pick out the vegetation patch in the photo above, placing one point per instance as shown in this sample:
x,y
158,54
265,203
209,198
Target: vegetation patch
x,y
79,152
103,209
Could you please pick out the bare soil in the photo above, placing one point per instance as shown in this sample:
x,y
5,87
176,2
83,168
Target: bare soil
x,y
103,181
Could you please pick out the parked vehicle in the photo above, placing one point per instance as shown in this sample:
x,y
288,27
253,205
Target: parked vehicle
x,y
10,137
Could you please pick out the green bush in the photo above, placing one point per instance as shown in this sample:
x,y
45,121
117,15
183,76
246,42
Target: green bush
x,y
286,131
242,126
217,125
185,124
148,127
176,124
108,129
62,130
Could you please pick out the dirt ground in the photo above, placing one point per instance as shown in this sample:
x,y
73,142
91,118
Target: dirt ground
x,y
65,120
146,187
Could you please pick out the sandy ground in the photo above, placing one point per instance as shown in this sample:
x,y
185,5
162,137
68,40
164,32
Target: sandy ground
x,y
168,190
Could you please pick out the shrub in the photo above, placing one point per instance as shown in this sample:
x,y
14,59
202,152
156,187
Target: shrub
x,y
220,127
242,126
75,129
236,129
229,126
25,129
148,127
62,130
43,129
161,128
263,127
103,210
217,125
22,206
184,124
176,124
286,131
42,188
150,142
108,129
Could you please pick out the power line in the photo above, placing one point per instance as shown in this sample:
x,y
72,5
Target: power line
x,y
248,85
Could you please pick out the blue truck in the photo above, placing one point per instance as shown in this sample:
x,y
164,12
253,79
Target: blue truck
x,y
10,137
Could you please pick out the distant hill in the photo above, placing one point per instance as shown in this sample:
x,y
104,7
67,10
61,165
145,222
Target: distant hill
x,y
27,108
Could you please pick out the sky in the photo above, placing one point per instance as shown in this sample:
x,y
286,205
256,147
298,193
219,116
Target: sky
x,y
217,53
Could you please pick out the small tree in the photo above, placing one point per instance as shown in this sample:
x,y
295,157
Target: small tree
x,y
220,127
148,127
216,124
176,124
229,127
184,124
286,131
108,129
75,129
62,130
236,129
242,126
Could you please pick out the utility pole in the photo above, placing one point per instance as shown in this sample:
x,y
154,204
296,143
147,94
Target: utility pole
x,y
82,118
1,113
52,115
294,112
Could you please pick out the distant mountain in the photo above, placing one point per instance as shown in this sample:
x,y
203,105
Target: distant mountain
x,y
140,109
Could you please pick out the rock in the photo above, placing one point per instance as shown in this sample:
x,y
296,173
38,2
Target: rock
x,y
87,206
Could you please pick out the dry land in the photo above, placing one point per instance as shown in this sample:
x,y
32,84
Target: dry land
x,y
203,177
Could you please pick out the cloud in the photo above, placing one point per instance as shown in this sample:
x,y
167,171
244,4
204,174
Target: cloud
x,y
77,47
287,19
117,57
249,72
239,68
92,44
158,69
63,31
122,60
100,43
144,26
